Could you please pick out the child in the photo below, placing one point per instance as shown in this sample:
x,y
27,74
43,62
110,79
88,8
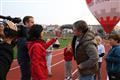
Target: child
x,y
49,59
68,64
37,52
101,52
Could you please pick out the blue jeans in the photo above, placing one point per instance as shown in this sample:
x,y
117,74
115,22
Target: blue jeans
x,y
86,77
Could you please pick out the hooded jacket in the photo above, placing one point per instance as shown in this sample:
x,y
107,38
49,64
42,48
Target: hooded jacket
x,y
85,53
37,53
113,60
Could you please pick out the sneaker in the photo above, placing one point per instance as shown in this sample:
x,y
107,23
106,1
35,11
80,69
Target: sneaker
x,y
68,78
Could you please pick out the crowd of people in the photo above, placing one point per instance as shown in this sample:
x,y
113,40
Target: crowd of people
x,y
34,54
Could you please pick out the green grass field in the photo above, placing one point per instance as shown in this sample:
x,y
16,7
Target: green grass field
x,y
64,42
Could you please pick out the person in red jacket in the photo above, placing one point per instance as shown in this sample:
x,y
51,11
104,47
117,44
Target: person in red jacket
x,y
37,52
68,62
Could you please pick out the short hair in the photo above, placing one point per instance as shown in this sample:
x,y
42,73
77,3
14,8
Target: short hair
x,y
35,31
98,39
81,25
26,19
115,36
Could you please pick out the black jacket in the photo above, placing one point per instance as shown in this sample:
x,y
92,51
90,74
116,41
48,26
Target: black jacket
x,y
6,58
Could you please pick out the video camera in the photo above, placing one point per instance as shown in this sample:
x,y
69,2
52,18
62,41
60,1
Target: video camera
x,y
14,20
8,27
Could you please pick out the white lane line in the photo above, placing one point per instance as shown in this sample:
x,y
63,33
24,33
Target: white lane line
x,y
15,60
57,54
53,55
14,68
107,78
51,66
74,71
57,63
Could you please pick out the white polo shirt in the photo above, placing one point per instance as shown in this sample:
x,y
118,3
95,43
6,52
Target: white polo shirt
x,y
101,49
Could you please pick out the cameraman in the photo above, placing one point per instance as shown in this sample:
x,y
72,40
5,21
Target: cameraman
x,y
8,33
22,52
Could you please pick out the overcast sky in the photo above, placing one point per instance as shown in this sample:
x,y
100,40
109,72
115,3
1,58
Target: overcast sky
x,y
49,11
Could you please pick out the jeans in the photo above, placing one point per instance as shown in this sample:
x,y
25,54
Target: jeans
x,y
49,61
86,77
68,69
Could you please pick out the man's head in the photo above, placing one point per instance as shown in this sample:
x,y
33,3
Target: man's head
x,y
28,21
1,31
79,27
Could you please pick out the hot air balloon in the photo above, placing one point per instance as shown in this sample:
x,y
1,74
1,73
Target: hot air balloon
x,y
107,12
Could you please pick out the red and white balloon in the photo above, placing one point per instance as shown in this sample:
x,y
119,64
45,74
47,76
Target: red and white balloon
x,y
107,12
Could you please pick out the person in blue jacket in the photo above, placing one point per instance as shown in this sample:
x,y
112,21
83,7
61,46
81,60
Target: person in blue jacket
x,y
113,58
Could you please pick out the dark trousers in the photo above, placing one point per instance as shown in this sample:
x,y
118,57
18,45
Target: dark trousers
x,y
25,70
99,75
23,60
4,67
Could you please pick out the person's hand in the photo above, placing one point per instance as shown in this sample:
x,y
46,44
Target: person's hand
x,y
56,37
79,66
101,55
68,49
1,31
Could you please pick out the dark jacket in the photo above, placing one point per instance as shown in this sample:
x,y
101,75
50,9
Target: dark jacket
x,y
113,60
6,58
86,53
22,51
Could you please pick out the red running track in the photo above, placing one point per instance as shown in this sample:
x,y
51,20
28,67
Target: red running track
x,y
57,68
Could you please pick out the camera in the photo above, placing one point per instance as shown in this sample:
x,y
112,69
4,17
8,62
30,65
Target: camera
x,y
8,28
14,20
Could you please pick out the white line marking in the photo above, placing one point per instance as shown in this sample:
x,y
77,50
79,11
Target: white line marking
x,y
57,54
107,78
51,66
15,60
74,71
57,63
53,55
14,68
